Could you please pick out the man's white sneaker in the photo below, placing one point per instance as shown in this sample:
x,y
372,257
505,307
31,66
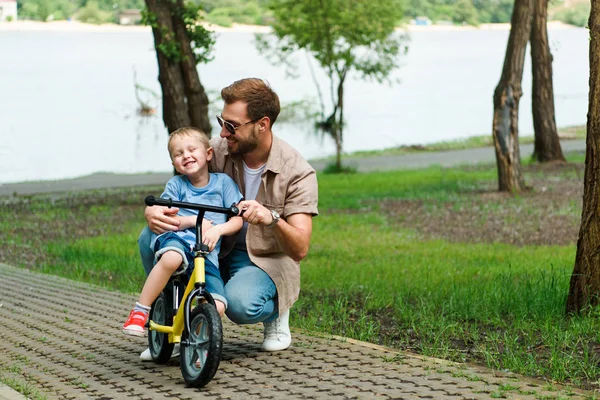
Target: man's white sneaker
x,y
146,356
277,333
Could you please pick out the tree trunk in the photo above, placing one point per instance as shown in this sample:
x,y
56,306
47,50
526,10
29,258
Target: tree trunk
x,y
339,143
184,100
196,96
338,151
506,101
547,145
585,281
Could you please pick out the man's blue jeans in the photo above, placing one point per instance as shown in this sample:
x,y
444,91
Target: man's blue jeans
x,y
251,294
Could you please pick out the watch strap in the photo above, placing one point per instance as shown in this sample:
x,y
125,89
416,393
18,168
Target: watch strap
x,y
275,218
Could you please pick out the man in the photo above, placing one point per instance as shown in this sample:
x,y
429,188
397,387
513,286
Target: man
x,y
260,266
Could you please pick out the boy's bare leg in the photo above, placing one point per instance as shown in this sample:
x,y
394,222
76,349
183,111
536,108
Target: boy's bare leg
x,y
156,281
159,276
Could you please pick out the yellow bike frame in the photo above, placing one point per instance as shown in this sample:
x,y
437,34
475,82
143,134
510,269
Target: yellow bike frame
x,y
197,279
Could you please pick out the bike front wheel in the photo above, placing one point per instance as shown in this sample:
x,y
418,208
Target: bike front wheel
x,y
201,347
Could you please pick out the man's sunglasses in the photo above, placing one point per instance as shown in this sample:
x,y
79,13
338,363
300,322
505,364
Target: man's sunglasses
x,y
231,128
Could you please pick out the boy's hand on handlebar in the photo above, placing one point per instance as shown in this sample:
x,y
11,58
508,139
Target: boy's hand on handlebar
x,y
255,213
206,225
162,219
211,237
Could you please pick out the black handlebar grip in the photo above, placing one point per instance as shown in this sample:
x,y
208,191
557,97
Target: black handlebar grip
x,y
153,201
150,200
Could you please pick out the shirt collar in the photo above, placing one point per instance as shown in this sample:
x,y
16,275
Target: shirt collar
x,y
275,161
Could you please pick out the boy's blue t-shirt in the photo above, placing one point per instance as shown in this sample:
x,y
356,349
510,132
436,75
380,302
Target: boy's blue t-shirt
x,y
221,191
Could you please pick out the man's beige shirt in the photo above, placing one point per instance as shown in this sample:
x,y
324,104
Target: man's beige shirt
x,y
288,186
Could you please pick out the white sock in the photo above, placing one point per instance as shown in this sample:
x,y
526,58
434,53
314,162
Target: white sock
x,y
141,308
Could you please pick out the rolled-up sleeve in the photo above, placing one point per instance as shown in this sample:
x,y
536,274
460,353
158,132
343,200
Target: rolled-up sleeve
x,y
302,195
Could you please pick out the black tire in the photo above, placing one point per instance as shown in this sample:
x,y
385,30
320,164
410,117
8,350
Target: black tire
x,y
201,347
162,314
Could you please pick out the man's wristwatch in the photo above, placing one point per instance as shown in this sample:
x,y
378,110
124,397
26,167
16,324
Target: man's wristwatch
x,y
276,218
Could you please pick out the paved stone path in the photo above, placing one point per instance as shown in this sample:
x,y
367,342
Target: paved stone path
x,y
62,339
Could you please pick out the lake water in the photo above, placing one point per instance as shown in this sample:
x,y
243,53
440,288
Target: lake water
x,y
68,106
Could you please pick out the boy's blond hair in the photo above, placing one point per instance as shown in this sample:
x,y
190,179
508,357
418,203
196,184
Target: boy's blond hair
x,y
189,131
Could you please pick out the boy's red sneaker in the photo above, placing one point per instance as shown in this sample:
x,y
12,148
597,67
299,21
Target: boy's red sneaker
x,y
135,324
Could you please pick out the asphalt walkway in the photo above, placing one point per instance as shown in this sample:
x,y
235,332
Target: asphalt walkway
x,y
363,164
62,340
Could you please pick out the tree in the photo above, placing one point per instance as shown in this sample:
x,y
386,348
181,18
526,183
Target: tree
x,y
465,13
180,44
38,10
418,8
584,289
493,11
506,101
342,35
546,144
92,14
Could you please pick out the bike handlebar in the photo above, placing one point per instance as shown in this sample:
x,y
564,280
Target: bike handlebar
x,y
232,211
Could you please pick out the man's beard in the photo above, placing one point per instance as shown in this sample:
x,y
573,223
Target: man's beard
x,y
247,145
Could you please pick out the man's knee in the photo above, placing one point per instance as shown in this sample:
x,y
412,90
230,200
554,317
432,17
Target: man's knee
x,y
244,308
240,311
251,294
146,253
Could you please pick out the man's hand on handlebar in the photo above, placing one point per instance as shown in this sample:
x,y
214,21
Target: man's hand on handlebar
x,y
162,219
255,213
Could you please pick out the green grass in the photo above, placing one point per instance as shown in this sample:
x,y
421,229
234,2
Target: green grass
x,y
12,375
497,301
356,191
470,281
367,278
114,260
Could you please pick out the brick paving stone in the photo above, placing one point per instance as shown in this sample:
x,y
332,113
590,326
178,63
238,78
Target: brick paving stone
x,y
66,352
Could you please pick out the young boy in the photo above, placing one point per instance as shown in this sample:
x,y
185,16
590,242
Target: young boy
x,y
190,153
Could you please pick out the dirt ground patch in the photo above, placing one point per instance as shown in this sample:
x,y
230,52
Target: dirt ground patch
x,y
30,222
548,214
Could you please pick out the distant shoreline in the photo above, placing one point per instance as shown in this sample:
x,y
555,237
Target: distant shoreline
x,y
76,26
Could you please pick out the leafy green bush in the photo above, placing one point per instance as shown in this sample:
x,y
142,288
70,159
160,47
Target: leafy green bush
x,y
248,13
210,5
576,15
333,168
44,10
92,14
251,14
220,16
38,10
465,13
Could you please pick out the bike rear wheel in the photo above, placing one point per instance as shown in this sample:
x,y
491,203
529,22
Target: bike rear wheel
x,y
162,314
201,347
